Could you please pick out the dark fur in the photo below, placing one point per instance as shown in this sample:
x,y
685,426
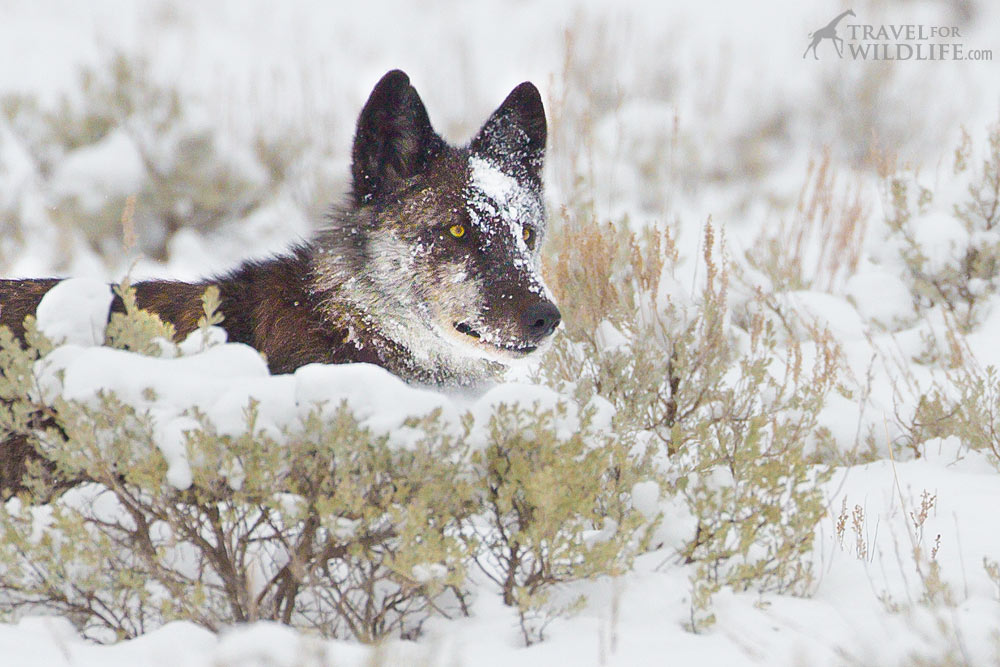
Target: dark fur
x,y
384,283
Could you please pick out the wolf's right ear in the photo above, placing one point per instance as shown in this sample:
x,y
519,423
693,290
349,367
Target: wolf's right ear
x,y
394,139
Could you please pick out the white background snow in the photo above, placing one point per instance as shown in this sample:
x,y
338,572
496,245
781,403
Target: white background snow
x,y
713,99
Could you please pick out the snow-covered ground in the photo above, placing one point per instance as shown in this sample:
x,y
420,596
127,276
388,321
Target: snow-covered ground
x,y
683,111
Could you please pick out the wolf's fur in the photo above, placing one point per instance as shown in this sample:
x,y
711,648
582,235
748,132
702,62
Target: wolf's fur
x,y
387,282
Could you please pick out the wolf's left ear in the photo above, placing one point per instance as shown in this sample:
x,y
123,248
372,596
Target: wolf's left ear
x,y
514,136
394,139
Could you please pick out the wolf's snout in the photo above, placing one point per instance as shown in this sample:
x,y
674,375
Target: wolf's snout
x,y
541,319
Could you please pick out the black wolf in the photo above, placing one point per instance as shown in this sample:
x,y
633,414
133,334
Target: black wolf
x,y
431,270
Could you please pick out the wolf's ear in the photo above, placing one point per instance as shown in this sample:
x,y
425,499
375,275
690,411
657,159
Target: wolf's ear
x,y
394,139
514,136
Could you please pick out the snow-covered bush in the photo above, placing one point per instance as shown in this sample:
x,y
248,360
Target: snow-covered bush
x,y
323,522
556,494
948,244
327,525
728,414
949,241
329,528
125,150
965,404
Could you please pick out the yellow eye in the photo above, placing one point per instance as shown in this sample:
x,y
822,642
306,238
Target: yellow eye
x,y
527,235
458,231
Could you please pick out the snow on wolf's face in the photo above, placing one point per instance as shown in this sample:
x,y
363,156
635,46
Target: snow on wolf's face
x,y
462,253
443,241
510,314
502,200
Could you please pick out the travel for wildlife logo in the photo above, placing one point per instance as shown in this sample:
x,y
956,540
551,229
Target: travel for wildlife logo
x,y
891,41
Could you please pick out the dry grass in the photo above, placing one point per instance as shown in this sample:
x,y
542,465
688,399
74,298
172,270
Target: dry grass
x,y
818,244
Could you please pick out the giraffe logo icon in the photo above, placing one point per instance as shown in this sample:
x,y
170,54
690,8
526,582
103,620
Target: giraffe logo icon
x,y
829,31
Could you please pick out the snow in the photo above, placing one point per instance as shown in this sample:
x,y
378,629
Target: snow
x,y
526,397
646,497
222,380
75,311
880,296
823,311
691,110
100,172
497,199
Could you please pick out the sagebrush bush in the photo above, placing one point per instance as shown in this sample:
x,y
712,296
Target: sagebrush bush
x,y
963,398
963,283
557,509
362,542
188,178
964,403
325,525
330,527
730,412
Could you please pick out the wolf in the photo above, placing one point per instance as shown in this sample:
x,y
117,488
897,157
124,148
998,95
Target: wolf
x,y
430,270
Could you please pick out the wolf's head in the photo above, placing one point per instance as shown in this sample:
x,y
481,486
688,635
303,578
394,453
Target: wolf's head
x,y
440,248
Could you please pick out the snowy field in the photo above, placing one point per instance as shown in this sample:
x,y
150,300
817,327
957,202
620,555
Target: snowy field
x,y
660,113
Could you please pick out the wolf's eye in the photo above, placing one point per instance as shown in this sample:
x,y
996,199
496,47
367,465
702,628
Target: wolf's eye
x,y
527,235
458,231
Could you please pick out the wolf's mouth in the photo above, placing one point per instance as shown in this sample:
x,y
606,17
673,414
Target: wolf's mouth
x,y
464,328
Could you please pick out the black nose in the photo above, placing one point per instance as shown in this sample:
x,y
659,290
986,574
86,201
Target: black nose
x,y
541,319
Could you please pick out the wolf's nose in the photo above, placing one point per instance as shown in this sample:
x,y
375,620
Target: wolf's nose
x,y
541,319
